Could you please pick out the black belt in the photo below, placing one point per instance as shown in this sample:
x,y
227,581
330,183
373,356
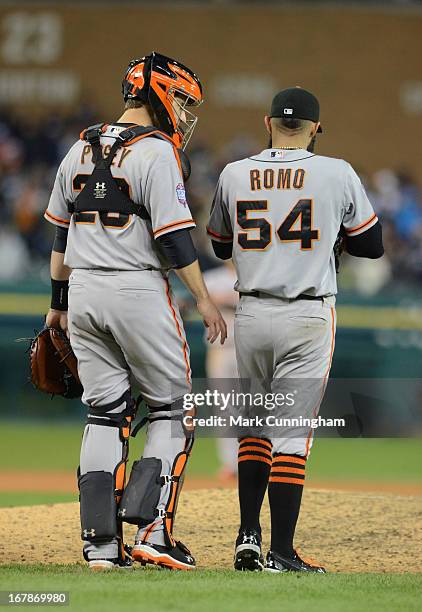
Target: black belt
x,y
302,296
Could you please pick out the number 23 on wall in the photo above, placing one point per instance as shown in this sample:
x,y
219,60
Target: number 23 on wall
x,y
301,213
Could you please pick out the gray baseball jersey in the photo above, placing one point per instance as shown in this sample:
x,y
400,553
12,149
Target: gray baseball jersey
x,y
283,210
121,277
149,171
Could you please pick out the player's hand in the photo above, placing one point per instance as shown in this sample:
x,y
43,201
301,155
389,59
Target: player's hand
x,y
57,319
212,320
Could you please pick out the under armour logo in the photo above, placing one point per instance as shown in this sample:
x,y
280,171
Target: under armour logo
x,y
89,532
249,539
122,512
100,190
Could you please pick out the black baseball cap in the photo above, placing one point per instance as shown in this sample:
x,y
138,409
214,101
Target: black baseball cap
x,y
296,103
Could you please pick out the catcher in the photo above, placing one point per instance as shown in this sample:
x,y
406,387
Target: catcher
x,y
123,221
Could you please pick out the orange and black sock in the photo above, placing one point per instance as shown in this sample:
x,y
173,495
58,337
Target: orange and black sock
x,y
254,465
285,490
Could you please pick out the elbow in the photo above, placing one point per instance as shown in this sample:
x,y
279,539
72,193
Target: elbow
x,y
368,244
223,256
376,253
179,265
222,250
178,248
368,251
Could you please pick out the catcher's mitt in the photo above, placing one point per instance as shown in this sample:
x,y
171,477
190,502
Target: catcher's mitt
x,y
54,368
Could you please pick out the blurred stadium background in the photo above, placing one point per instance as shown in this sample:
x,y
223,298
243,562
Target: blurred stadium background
x,y
61,65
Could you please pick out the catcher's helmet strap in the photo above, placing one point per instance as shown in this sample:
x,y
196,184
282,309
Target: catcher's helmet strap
x,y
126,137
93,132
138,132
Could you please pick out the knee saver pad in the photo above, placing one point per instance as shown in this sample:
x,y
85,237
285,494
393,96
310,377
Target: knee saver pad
x,y
142,492
98,506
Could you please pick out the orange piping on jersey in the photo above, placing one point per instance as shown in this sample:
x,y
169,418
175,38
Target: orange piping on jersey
x,y
362,225
179,332
216,235
254,458
48,214
174,224
287,480
308,440
179,163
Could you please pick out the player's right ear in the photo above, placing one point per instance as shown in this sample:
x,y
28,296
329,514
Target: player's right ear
x,y
267,121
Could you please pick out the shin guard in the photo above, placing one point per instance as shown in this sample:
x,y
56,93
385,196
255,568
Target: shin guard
x,y
95,487
98,507
142,493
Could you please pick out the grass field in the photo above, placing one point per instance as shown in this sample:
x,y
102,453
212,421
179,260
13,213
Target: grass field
x,y
53,447
206,591
44,448
56,448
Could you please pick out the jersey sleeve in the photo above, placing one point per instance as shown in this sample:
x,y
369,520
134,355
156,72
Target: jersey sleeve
x,y
359,216
165,196
57,212
219,226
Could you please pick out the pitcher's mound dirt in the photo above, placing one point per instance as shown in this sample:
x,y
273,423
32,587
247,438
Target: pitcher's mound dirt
x,y
346,531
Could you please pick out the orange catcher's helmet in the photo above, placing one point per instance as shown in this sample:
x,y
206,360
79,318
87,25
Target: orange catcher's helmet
x,y
169,88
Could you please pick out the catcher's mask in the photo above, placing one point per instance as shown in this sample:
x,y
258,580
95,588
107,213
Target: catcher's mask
x,y
169,88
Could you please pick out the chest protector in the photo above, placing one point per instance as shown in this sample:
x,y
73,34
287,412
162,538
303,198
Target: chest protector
x,y
103,193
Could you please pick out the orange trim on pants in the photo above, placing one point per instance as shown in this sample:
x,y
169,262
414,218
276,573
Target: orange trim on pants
x,y
308,440
179,332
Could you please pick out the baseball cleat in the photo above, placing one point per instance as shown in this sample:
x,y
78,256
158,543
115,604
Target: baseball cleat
x,y
276,564
105,565
248,553
178,557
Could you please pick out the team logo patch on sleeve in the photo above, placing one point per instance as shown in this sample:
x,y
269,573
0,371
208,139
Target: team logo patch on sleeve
x,y
181,194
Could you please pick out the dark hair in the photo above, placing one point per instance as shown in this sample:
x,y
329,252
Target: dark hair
x,y
289,123
133,104
138,104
